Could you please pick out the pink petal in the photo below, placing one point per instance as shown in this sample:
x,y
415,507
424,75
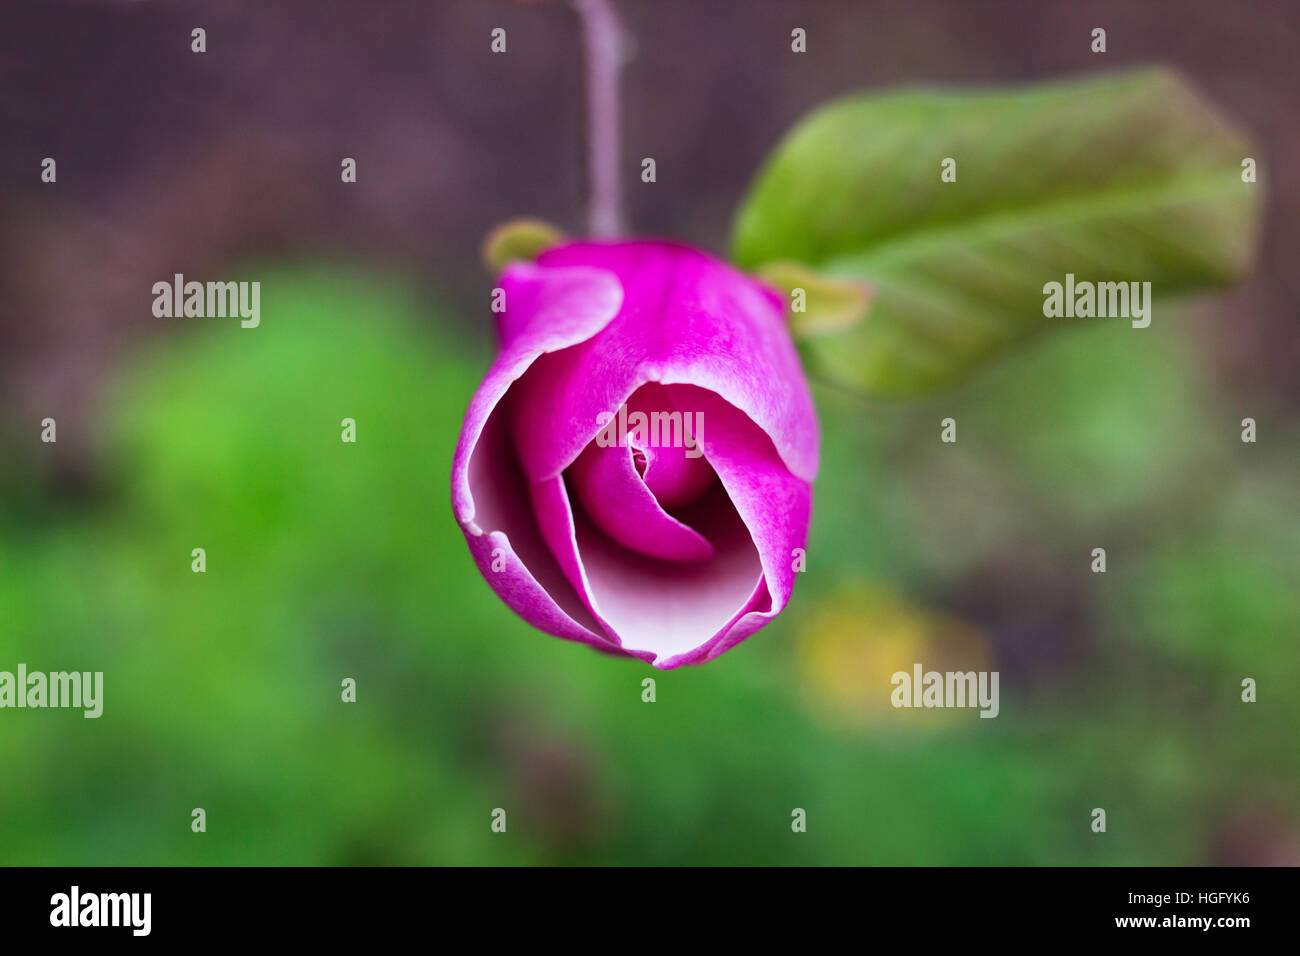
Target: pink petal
x,y
546,309
661,611
653,610
676,475
775,506
617,499
686,318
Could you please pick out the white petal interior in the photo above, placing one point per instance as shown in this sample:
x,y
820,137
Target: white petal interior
x,y
501,503
659,607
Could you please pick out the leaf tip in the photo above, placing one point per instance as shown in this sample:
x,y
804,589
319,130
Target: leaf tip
x,y
518,240
817,304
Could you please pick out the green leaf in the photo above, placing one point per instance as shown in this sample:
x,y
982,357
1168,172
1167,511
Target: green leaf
x,y
1131,177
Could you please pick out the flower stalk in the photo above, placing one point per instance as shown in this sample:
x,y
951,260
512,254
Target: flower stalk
x,y
603,47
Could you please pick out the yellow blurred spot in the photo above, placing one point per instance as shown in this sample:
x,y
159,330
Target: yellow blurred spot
x,y
850,647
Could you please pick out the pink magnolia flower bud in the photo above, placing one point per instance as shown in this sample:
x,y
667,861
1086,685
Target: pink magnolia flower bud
x,y
635,472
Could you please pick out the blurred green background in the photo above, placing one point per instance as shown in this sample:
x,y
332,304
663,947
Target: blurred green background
x,y
328,560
